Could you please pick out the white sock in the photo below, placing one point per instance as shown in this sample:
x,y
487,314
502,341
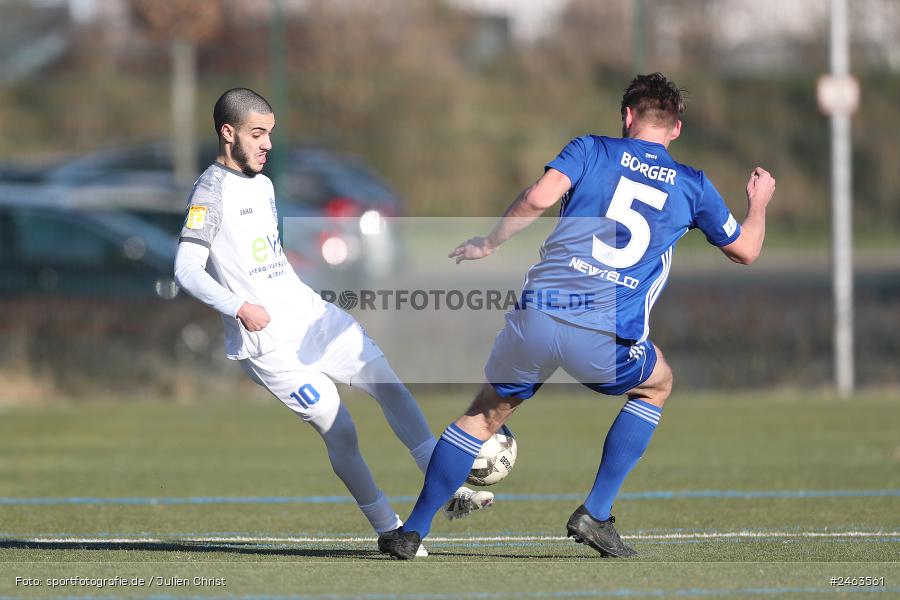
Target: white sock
x,y
381,515
343,452
422,453
400,409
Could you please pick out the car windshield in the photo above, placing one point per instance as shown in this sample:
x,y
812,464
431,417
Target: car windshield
x,y
318,177
103,164
312,176
358,181
160,243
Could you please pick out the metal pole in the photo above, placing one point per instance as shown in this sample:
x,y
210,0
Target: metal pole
x,y
637,38
842,223
279,91
184,91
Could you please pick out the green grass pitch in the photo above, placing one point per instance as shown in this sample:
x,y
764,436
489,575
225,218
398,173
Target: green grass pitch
x,y
739,495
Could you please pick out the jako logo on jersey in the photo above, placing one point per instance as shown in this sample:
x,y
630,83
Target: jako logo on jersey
x,y
588,269
246,211
262,246
664,174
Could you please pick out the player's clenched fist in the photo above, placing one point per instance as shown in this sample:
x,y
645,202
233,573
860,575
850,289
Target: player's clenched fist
x,y
253,316
761,187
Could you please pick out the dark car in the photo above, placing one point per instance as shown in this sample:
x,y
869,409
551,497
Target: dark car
x,y
335,211
88,295
50,247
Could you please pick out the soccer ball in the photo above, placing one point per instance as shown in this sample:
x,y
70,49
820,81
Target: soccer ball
x,y
496,459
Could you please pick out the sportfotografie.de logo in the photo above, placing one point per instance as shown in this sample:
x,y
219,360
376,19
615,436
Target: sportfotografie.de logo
x,y
437,299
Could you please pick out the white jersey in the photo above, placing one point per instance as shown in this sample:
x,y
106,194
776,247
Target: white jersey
x,y
235,217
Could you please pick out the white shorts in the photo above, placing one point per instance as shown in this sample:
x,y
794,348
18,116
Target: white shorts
x,y
336,347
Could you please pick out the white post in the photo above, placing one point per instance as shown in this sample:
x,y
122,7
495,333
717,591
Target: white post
x,y
184,92
841,210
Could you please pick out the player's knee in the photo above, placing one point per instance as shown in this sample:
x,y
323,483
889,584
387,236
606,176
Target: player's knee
x,y
341,435
485,404
389,391
663,378
666,382
375,377
488,413
658,387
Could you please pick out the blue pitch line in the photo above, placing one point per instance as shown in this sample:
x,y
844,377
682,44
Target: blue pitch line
x,y
658,495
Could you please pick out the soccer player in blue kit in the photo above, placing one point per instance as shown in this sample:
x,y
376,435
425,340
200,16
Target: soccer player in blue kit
x,y
585,305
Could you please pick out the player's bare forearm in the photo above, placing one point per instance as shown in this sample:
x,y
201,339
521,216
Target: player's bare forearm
x,y
519,215
755,225
524,210
529,205
760,190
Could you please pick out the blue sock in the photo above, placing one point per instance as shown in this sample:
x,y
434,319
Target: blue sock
x,y
625,443
450,464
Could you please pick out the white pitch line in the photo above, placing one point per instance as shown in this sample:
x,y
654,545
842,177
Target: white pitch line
x,y
496,538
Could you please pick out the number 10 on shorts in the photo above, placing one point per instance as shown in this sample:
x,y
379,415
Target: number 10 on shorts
x,y
306,396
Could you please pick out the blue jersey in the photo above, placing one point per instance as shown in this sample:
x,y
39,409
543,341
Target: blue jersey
x,y
607,260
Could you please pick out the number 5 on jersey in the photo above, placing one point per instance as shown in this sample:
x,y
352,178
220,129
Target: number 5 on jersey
x,y
620,211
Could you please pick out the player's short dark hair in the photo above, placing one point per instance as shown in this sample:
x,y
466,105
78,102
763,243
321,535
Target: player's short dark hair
x,y
655,98
233,106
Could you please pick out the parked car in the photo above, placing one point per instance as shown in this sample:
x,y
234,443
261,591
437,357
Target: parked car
x,y
89,298
335,211
47,247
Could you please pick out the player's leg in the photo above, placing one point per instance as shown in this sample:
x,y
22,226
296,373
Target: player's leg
x,y
657,388
625,443
629,437
450,464
402,412
400,408
348,464
352,357
516,371
455,453
314,398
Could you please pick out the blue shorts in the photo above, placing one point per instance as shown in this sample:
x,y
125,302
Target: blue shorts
x,y
532,345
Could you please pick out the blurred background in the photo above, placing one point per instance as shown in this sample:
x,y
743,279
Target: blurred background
x,y
423,108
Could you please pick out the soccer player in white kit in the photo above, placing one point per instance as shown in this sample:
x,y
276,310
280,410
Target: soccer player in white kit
x,y
285,336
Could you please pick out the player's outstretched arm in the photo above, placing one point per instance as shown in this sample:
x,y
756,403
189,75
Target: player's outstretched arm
x,y
190,274
747,247
524,210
